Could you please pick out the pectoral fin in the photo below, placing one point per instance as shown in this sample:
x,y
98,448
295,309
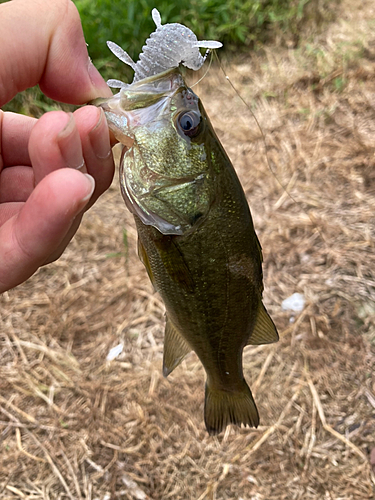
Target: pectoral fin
x,y
174,262
143,257
170,255
265,330
175,348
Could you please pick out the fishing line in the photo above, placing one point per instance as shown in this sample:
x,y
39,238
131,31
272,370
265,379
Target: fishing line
x,y
266,149
208,69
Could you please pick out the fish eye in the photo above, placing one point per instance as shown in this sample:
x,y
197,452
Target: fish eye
x,y
189,122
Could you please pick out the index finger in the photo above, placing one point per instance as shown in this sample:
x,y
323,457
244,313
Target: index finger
x,y
15,131
49,49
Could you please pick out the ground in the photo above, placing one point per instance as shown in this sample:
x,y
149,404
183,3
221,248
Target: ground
x,y
74,425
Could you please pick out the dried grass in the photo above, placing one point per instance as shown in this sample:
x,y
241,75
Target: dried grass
x,y
73,425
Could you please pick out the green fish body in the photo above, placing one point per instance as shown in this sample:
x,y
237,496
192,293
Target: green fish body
x,y
196,238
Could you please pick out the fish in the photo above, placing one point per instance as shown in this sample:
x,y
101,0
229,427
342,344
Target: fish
x,y
196,237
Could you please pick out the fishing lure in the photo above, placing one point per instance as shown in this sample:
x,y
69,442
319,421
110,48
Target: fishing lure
x,y
168,46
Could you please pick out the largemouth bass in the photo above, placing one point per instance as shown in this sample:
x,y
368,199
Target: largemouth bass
x,y
196,237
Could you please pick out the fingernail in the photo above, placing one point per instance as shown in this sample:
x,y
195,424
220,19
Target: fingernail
x,y
69,143
91,183
96,78
99,138
98,82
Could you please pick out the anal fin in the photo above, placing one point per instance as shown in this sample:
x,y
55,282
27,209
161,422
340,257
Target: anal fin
x,y
175,348
264,331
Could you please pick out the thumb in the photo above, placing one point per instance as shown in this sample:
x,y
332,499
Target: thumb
x,y
42,42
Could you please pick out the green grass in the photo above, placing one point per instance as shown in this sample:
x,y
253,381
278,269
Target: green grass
x,y
238,24
33,102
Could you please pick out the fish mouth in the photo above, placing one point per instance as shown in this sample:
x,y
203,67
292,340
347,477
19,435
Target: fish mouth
x,y
140,103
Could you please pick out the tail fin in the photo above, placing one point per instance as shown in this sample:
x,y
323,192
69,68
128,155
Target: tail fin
x,y
223,407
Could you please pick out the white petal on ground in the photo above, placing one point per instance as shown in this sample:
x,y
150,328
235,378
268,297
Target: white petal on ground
x,y
114,352
295,302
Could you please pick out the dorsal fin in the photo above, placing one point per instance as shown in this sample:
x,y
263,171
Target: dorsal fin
x,y
264,331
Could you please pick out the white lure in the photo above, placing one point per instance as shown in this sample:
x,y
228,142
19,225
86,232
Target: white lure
x,y
168,46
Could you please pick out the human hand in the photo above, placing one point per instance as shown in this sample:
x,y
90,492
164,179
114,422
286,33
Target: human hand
x,y
44,186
